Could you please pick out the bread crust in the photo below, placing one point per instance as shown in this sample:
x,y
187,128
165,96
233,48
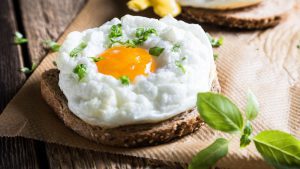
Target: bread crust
x,y
124,136
263,15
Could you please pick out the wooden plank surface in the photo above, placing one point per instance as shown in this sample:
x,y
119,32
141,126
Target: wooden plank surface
x,y
20,151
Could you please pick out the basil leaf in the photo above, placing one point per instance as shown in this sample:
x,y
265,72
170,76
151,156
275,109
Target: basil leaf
x,y
19,39
219,112
278,148
252,106
53,46
76,51
206,158
80,70
125,80
156,51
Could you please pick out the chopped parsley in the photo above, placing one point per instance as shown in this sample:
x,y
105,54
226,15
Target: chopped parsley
x,y
19,39
27,70
143,34
176,47
76,51
125,80
216,56
53,46
298,46
156,51
80,70
97,59
215,42
178,63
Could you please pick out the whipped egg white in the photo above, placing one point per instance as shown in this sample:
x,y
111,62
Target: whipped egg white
x,y
103,100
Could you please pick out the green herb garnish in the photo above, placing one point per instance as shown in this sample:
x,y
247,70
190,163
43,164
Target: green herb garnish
x,y
19,39
53,46
54,63
178,63
176,47
278,148
80,71
76,51
298,46
215,42
27,70
156,51
115,31
97,59
143,34
125,80
216,56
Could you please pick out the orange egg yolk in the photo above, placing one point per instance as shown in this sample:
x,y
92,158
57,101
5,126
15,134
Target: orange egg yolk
x,y
124,61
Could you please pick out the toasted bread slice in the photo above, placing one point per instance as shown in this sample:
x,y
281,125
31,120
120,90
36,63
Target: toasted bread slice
x,y
263,15
124,136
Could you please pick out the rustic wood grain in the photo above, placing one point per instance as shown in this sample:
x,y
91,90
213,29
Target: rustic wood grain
x,y
14,152
46,19
65,157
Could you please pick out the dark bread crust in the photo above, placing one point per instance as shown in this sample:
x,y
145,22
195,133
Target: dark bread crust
x,y
266,14
124,136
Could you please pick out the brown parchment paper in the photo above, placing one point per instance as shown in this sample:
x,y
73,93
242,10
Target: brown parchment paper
x,y
240,66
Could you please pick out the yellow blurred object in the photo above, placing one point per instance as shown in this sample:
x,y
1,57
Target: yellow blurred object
x,y
161,7
138,5
166,7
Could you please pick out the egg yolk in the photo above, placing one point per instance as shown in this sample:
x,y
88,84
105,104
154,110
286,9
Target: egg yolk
x,y
124,61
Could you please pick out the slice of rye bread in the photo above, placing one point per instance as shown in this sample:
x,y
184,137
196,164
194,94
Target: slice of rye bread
x,y
266,14
124,136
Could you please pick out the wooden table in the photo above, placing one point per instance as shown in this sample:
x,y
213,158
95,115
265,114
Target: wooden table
x,y
40,20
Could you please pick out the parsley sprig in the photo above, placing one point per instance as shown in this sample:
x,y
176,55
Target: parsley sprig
x,y
19,39
80,70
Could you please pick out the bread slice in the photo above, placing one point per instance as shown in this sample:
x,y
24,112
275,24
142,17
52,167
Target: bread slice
x,y
124,136
266,14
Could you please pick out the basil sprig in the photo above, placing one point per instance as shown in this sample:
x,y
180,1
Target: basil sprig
x,y
278,148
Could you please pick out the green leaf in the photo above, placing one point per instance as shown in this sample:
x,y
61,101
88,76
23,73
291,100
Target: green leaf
x,y
252,106
208,157
53,46
76,51
156,51
27,70
179,64
278,148
125,80
219,112
19,39
176,47
80,70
